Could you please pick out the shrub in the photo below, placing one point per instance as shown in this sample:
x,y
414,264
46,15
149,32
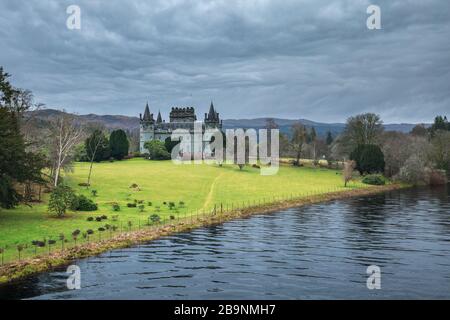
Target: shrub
x,y
115,217
89,232
154,218
104,217
115,207
141,207
84,184
98,219
82,203
61,199
131,205
134,186
149,203
172,217
94,192
369,158
414,171
157,150
374,179
90,219
438,177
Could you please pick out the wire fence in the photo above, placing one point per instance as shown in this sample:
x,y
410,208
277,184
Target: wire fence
x,y
219,212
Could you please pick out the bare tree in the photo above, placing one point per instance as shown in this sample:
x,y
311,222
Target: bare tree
x,y
298,140
93,145
398,147
313,139
364,129
347,173
65,134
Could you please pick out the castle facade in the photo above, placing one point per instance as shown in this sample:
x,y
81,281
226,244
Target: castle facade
x,y
179,118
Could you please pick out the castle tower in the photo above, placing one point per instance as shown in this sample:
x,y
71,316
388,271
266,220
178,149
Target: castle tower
x,y
147,128
212,119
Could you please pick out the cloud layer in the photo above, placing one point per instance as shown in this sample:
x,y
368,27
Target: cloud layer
x,y
297,59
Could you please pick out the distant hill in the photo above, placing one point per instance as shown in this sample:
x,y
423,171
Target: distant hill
x,y
132,123
321,128
109,121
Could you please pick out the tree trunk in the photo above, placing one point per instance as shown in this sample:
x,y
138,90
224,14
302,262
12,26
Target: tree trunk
x,y
89,176
58,168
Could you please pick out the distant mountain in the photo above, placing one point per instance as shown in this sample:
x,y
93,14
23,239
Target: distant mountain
x,y
321,128
132,123
109,121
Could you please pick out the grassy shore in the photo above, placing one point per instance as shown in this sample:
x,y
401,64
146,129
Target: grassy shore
x,y
24,268
200,188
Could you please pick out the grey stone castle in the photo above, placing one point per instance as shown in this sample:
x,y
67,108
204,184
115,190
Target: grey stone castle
x,y
179,118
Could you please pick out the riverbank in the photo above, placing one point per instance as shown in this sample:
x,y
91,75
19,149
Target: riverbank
x,y
21,269
131,191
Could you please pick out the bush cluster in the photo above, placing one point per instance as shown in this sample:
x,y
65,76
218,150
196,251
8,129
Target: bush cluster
x,y
374,179
82,203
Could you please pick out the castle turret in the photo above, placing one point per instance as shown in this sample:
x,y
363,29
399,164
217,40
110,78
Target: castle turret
x,y
148,117
147,130
212,119
159,118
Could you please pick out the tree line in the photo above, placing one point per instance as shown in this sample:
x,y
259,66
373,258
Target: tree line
x,y
33,155
415,157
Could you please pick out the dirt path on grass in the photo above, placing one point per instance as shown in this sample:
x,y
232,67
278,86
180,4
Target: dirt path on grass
x,y
209,197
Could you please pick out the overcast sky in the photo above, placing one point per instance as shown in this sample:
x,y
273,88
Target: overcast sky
x,y
292,58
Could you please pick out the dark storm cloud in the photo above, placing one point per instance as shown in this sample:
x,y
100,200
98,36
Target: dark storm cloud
x,y
308,59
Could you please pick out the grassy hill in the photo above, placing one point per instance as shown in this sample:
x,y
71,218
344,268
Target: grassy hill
x,y
199,187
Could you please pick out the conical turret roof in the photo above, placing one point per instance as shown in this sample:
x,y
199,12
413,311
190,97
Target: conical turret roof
x,y
159,118
212,112
147,115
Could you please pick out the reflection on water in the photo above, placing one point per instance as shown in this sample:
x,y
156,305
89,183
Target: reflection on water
x,y
321,251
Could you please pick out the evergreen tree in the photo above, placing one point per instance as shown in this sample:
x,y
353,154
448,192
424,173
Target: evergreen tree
x,y
440,123
369,158
16,164
97,147
329,139
119,144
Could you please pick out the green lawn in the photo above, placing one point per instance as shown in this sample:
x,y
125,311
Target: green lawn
x,y
200,187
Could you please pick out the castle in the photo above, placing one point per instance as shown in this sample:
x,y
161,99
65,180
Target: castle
x,y
179,118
